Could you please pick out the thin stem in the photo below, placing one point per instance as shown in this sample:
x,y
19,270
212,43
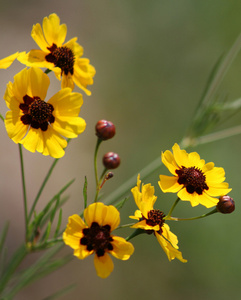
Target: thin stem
x,y
167,217
193,218
42,187
1,117
95,160
24,192
96,170
125,226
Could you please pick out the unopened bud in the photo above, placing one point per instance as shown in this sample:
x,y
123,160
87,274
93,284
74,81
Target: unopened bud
x,y
105,130
111,160
225,205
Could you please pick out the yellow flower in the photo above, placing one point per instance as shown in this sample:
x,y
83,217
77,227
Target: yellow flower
x,y
153,220
38,125
95,236
7,61
193,180
64,59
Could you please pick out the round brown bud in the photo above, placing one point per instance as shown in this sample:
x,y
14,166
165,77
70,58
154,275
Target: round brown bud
x,y
225,205
111,160
105,130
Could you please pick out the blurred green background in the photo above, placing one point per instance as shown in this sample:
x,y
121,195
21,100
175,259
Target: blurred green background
x,y
152,60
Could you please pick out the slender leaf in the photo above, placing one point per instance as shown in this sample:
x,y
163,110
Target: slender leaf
x,y
53,212
58,224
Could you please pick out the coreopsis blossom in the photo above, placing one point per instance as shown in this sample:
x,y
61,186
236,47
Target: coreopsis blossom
x,y
153,221
64,59
94,237
38,125
192,179
7,61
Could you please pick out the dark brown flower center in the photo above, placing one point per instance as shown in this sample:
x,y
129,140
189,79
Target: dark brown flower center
x,y
37,113
155,217
193,180
97,238
61,57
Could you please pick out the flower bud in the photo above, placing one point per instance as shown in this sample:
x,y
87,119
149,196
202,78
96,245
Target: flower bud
x,y
111,160
105,130
225,205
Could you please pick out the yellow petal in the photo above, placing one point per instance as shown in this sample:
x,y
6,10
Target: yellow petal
x,y
102,214
16,130
38,37
38,83
94,213
169,161
73,232
142,225
36,58
69,127
53,31
7,61
215,175
82,252
111,217
103,265
83,74
75,47
121,248
67,81
169,184
168,242
137,216
180,156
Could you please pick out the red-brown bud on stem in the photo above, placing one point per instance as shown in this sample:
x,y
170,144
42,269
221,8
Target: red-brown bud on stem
x,y
105,130
111,160
225,205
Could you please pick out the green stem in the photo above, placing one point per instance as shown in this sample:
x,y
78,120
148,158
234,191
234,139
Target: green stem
x,y
1,117
125,226
96,170
193,218
24,192
167,217
42,187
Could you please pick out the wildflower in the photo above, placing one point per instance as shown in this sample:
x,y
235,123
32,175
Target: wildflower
x,y
38,125
7,61
64,59
153,221
95,236
193,180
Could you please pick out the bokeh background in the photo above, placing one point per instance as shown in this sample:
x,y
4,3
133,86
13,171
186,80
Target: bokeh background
x,y
152,60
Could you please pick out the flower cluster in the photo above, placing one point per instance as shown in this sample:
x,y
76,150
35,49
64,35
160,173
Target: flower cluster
x,y
46,125
40,125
